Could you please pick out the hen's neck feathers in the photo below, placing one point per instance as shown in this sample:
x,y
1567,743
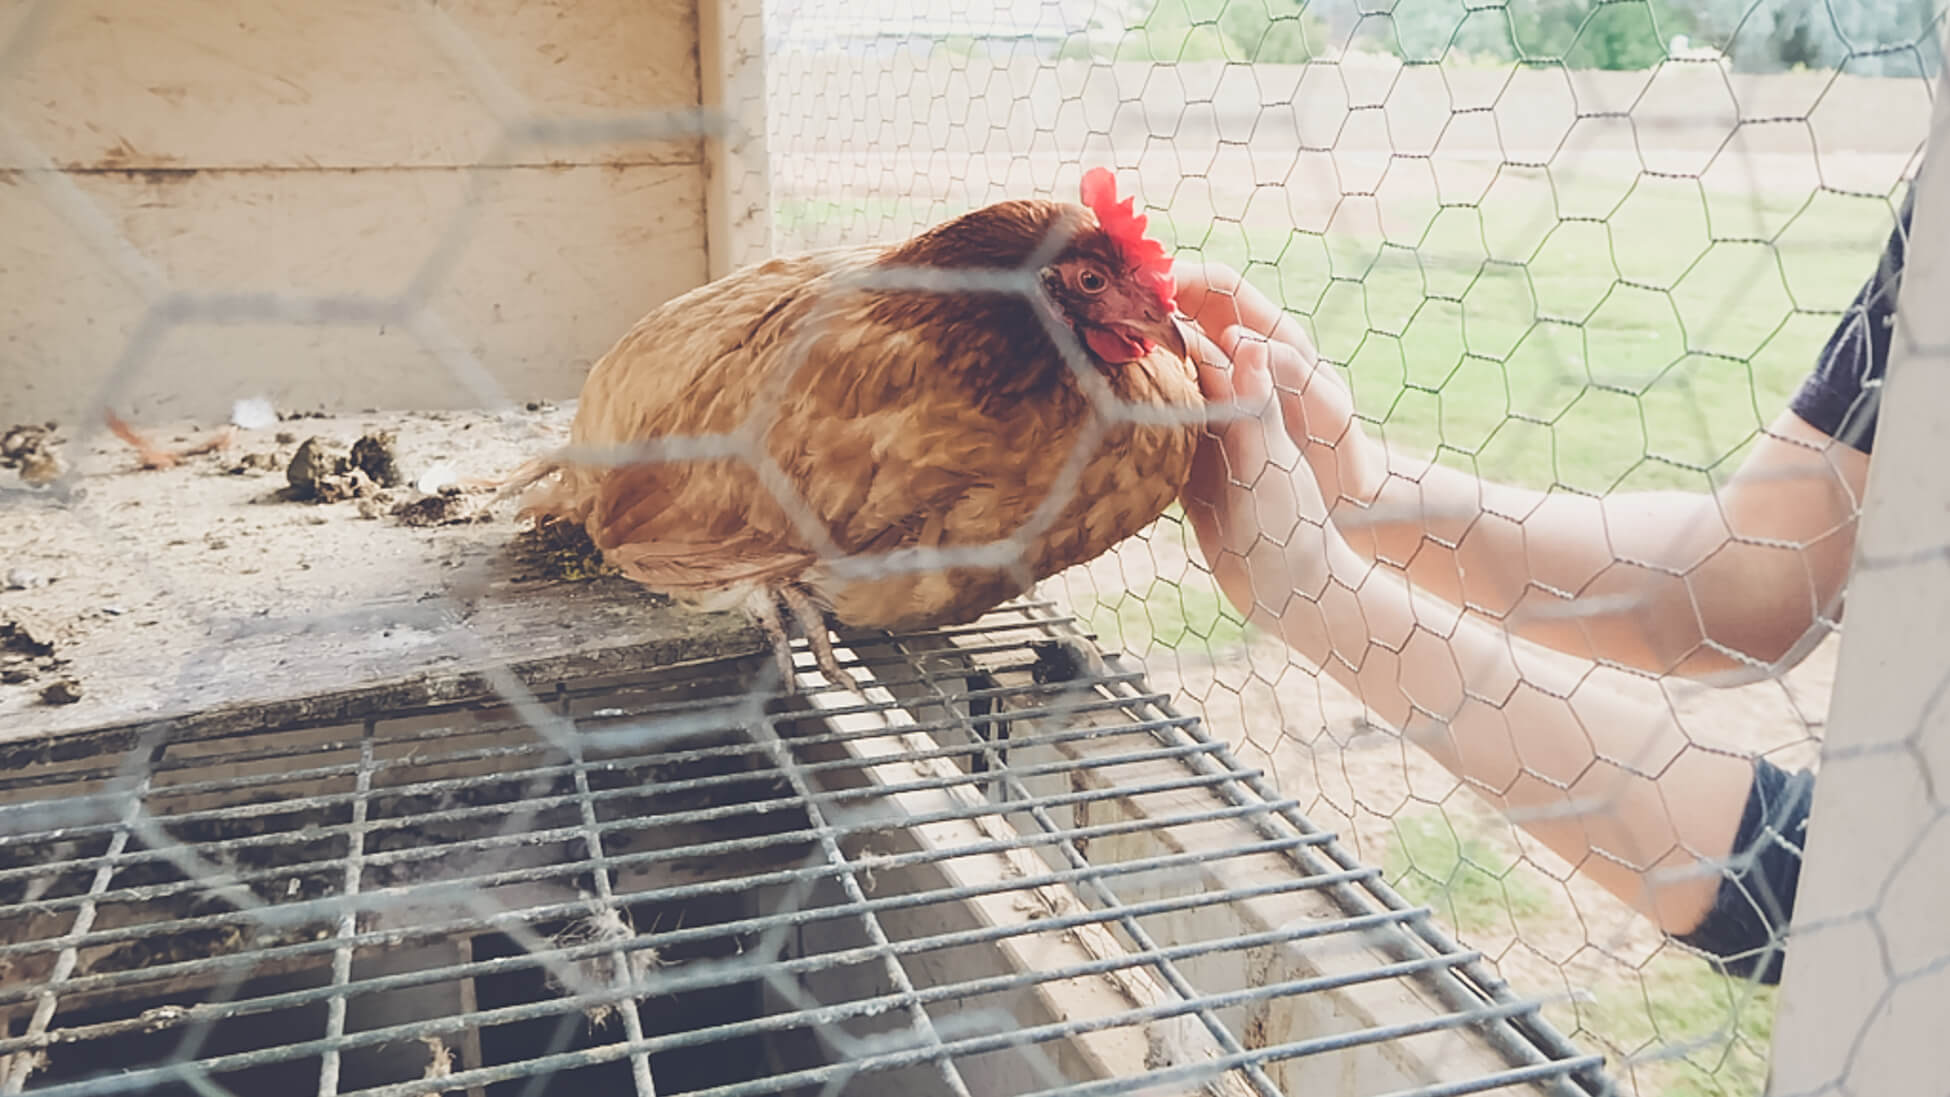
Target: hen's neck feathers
x,y
1006,235
994,341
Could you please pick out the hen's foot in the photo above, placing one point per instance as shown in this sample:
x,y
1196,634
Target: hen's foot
x,y
812,622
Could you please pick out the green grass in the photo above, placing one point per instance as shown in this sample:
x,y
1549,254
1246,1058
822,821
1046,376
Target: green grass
x,y
1166,616
1682,1028
1686,1030
1642,347
1464,878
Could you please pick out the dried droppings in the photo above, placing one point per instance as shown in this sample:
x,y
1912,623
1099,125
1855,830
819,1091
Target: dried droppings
x,y
561,551
319,473
376,456
65,691
352,485
22,441
29,447
449,508
315,461
257,462
21,636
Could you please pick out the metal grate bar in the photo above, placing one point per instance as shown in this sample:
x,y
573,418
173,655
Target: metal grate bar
x,y
620,971
47,996
702,975
668,939
936,1049
461,785
1019,980
687,980
465,784
322,773
1519,1035
326,907
1095,886
849,881
1239,1060
666,712
1557,1070
328,1073
757,843
756,826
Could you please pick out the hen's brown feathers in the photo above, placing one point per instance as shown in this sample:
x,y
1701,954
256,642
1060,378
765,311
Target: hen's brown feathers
x,y
892,419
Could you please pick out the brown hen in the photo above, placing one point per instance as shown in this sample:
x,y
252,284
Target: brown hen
x,y
895,437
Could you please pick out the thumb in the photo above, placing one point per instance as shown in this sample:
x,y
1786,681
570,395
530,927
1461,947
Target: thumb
x,y
1213,364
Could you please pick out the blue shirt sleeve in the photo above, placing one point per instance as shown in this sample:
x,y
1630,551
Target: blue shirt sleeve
x,y
1841,397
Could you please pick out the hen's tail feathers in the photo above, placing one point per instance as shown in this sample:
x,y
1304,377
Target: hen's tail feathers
x,y
557,499
527,476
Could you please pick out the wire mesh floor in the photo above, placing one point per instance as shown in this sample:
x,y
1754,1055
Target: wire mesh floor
x,y
1009,869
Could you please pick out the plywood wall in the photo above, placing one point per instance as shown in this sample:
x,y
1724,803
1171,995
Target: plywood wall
x,y
358,149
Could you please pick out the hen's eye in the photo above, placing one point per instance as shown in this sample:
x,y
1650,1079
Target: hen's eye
x,y
1089,281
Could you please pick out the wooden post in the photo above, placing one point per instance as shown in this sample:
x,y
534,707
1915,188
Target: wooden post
x,y
737,189
1866,994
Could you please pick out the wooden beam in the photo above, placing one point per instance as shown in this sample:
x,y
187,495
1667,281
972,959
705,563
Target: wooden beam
x,y
1866,984
737,191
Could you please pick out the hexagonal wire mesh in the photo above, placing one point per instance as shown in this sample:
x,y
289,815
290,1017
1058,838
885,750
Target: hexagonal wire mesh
x,y
1539,271
1555,247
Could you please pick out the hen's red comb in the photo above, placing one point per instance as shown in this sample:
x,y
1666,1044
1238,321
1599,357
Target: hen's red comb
x,y
1126,228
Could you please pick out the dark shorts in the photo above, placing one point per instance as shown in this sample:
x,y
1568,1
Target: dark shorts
x,y
1746,930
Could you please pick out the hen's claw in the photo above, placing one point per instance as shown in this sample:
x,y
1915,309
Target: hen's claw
x,y
798,607
766,612
813,624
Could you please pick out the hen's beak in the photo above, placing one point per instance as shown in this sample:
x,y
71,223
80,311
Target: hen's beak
x,y
1171,334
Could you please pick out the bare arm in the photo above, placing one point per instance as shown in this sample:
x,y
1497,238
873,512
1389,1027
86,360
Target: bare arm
x,y
1666,582
1599,772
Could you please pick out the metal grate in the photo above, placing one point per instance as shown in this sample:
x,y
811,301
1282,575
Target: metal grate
x,y
1011,870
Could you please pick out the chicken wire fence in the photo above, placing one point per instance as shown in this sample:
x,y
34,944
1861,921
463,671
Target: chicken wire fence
x,y
1576,253
1556,246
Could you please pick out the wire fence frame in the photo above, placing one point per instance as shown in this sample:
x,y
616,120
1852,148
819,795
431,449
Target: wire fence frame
x,y
175,307
1861,977
873,176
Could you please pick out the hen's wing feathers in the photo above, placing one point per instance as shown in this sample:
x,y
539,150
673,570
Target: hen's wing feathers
x,y
860,414
786,342
695,364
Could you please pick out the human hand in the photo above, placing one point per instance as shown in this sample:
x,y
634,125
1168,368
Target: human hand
x,y
1316,405
1254,505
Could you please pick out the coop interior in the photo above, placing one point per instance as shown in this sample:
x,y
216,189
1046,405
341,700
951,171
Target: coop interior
x,y
322,771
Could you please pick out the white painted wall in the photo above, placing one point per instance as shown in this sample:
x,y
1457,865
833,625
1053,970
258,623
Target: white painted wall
x,y
283,146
